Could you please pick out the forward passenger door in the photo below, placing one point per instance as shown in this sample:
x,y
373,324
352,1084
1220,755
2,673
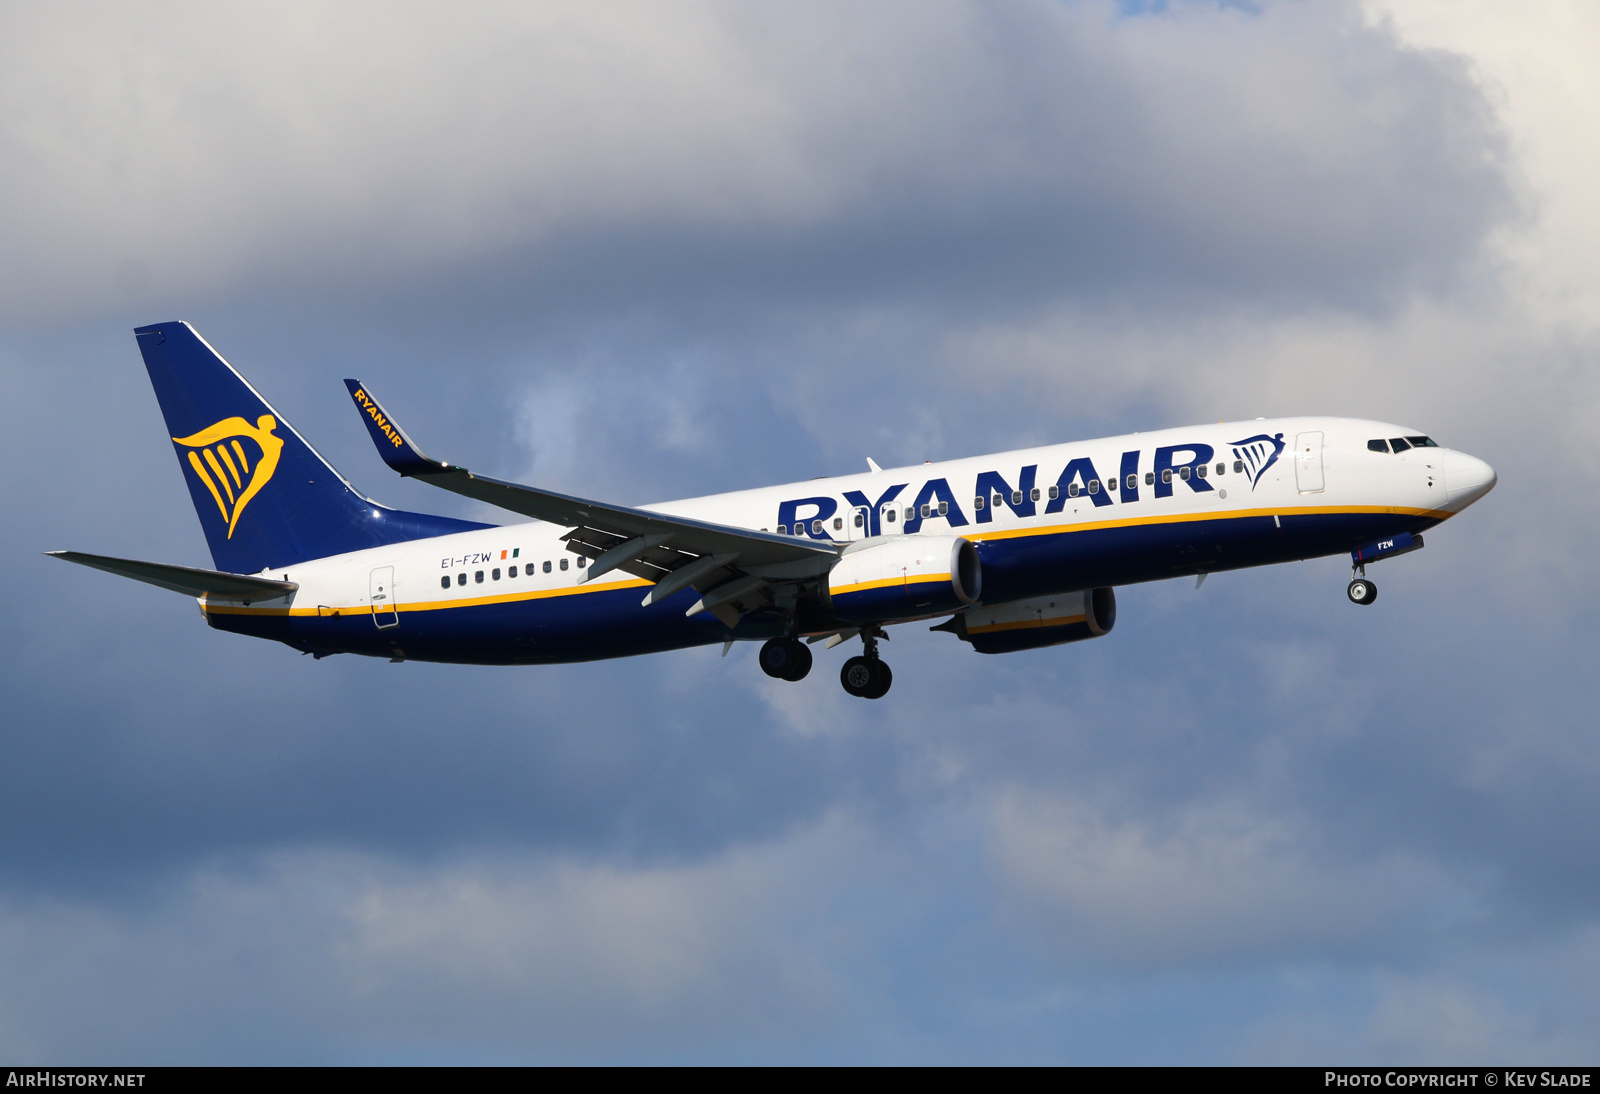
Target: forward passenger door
x,y
1308,462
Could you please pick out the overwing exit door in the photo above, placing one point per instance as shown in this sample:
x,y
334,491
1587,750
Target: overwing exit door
x,y
858,525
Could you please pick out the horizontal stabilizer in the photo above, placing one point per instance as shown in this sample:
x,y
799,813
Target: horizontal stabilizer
x,y
184,579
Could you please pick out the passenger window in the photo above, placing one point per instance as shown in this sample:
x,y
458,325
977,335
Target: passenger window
x,y
1035,494
444,582
547,565
924,512
999,500
783,529
912,512
511,572
1379,445
1016,497
1132,482
1149,478
1221,467
1238,467
1422,442
860,520
816,527
977,503
495,573
1398,444
891,515
1166,475
478,577
1200,470
1072,489
838,524
944,508
1183,473
563,564
1055,492
582,562
1094,486
461,578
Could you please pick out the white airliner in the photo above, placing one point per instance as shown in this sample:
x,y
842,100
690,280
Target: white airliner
x,y
1012,551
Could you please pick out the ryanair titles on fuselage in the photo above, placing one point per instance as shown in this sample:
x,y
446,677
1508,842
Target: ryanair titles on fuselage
x,y
1159,472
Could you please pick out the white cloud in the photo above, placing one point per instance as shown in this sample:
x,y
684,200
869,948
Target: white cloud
x,y
323,954
1217,881
197,150
1201,213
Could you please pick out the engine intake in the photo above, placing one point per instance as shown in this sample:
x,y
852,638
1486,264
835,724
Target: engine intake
x,y
905,577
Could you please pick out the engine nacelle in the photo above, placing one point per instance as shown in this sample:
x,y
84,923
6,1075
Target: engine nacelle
x,y
1031,624
903,577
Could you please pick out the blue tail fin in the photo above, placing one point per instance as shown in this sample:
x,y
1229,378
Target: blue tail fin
x,y
266,499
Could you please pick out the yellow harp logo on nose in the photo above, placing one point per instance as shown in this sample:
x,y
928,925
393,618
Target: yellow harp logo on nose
x,y
230,469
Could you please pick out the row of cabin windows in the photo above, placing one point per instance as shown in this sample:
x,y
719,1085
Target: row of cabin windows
x,y
511,571
1073,490
1400,444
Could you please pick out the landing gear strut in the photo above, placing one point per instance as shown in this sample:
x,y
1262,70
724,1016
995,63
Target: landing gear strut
x,y
867,677
1361,591
785,659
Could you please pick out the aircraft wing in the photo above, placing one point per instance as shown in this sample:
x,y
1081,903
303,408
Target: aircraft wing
x,y
213,584
735,567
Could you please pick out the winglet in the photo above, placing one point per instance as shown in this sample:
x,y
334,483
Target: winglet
x,y
394,446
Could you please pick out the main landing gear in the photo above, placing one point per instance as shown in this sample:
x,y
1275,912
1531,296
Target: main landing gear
x,y
1361,591
785,659
867,677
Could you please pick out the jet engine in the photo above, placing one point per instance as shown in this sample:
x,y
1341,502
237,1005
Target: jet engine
x,y
905,577
1031,624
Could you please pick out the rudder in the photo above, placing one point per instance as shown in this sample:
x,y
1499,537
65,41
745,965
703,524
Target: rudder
x,y
266,499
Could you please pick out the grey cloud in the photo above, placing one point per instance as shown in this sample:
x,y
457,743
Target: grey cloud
x,y
995,156
655,255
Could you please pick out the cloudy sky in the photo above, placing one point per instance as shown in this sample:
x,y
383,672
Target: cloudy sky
x,y
643,251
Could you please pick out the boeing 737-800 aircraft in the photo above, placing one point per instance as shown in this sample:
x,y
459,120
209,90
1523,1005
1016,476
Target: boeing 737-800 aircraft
x,y
1012,551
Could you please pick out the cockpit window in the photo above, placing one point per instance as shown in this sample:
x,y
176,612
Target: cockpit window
x,y
1423,442
1379,445
1399,444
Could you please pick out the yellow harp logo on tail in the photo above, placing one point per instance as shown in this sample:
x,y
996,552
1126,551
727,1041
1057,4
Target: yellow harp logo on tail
x,y
231,471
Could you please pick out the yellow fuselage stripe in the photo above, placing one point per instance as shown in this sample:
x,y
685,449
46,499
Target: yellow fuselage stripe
x,y
888,582
1187,518
435,605
980,537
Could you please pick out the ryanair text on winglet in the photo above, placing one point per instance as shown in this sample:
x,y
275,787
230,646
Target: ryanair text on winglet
x,y
376,415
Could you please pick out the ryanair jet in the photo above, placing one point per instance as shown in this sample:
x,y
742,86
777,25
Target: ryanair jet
x,y
1007,552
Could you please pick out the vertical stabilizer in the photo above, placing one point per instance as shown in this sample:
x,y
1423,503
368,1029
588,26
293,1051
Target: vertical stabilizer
x,y
264,496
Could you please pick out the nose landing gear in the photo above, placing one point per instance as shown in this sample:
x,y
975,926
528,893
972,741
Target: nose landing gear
x,y
785,659
1361,591
867,677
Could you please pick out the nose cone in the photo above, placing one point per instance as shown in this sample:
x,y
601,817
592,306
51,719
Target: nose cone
x,y
1466,479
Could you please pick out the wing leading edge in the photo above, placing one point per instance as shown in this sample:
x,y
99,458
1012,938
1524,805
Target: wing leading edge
x,y
735,570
